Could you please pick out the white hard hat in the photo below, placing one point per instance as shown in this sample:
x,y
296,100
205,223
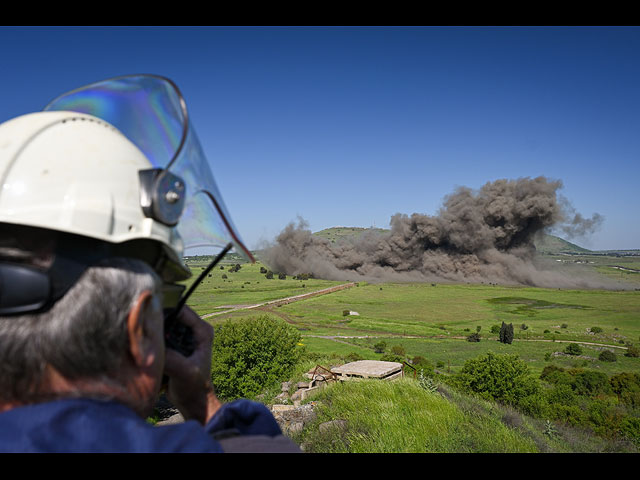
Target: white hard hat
x,y
117,162
74,173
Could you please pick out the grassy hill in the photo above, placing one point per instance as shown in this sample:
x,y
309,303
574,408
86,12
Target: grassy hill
x,y
547,244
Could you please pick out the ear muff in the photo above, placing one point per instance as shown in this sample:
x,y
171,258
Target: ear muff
x,y
23,289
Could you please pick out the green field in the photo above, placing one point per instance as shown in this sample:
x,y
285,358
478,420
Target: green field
x,y
434,320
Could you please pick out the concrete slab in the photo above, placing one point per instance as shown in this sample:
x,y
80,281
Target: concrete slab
x,y
369,369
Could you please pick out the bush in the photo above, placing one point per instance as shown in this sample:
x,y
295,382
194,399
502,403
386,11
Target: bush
x,y
390,357
626,386
632,351
354,357
282,276
398,350
380,347
561,394
591,383
423,365
251,354
506,333
269,275
596,330
607,356
573,349
474,337
495,329
263,270
504,378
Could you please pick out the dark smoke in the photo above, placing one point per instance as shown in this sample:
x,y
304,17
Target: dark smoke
x,y
479,237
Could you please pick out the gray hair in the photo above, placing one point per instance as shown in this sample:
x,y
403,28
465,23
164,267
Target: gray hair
x,y
83,335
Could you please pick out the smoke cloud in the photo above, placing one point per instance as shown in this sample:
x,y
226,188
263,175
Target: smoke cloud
x,y
479,236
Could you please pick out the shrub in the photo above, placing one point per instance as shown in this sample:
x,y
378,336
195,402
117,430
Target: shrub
x,y
346,313
564,325
607,356
573,349
504,378
282,276
495,329
398,350
596,330
354,357
269,275
474,337
390,357
549,370
380,347
590,382
263,270
423,365
632,351
506,333
561,394
626,386
251,354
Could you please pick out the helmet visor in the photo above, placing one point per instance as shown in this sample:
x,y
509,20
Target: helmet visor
x,y
151,112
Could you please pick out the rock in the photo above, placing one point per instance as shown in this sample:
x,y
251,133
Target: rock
x,y
286,386
283,397
292,419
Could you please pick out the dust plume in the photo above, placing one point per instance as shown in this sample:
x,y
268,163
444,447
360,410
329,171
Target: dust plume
x,y
479,236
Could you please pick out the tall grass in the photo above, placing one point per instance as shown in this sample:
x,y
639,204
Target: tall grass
x,y
401,417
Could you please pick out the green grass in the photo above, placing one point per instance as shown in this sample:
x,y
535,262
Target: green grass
x,y
433,321
441,316
402,417
247,286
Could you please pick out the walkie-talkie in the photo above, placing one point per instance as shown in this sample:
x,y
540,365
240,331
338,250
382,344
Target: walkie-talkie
x,y
179,336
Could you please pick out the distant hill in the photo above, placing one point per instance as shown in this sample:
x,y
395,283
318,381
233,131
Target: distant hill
x,y
335,233
548,244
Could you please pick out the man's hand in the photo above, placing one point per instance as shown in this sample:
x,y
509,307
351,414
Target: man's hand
x,y
190,388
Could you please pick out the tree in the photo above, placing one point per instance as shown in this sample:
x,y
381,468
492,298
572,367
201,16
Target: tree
x,y
504,378
506,333
474,337
607,356
573,349
251,354
398,350
380,347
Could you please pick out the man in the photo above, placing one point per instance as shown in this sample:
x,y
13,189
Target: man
x,y
89,259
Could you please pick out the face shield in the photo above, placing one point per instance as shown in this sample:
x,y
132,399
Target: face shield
x,y
179,190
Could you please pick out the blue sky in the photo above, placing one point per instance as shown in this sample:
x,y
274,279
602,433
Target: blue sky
x,y
346,126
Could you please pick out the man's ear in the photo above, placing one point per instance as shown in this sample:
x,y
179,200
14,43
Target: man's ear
x,y
139,344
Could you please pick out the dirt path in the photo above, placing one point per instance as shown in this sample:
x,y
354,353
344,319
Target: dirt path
x,y
281,301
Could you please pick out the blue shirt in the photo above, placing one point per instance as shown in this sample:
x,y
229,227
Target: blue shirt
x,y
89,425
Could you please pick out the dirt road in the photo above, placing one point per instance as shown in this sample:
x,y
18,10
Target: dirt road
x,y
281,301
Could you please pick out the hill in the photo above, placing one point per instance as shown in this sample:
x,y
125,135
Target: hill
x,y
547,244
